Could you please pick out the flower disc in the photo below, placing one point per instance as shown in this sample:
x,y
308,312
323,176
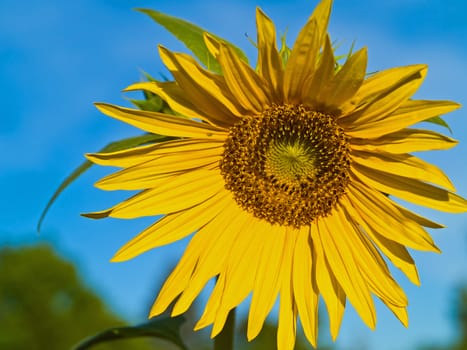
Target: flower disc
x,y
288,166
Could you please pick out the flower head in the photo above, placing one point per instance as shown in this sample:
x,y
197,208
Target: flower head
x,y
285,174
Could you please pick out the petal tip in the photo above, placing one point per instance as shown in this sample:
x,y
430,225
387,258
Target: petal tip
x,y
162,50
260,12
90,156
154,311
120,256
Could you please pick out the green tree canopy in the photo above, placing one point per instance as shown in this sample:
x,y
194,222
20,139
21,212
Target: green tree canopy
x,y
45,305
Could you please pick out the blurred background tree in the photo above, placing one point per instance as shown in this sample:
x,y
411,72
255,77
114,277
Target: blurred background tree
x,y
45,305
461,312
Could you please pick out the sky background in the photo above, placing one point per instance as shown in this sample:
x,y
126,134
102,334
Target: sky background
x,y
58,57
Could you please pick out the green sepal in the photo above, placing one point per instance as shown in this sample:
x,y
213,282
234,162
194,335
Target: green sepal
x,y
152,103
439,121
192,36
344,57
111,147
167,328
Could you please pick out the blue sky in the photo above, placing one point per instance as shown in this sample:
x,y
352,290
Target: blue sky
x,y
58,57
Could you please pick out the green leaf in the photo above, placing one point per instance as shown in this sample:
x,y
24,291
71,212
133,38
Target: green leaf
x,y
148,76
111,147
192,36
439,121
167,328
346,56
151,103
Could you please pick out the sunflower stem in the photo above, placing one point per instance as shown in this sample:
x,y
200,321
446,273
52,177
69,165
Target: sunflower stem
x,y
225,339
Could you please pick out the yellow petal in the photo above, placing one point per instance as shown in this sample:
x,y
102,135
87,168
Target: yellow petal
x,y
240,271
411,190
210,310
378,83
180,276
213,45
203,88
124,158
314,88
395,252
417,218
175,97
287,324
133,156
409,113
302,61
267,280
249,89
405,141
269,60
180,102
304,286
377,210
400,313
219,235
162,124
149,174
173,227
321,15
403,165
398,255
329,287
181,192
370,261
384,103
346,82
332,236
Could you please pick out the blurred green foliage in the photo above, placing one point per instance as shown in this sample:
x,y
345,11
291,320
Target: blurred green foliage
x,y
45,305
461,311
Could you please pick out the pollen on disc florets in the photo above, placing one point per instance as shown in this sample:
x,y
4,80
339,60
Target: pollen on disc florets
x,y
288,165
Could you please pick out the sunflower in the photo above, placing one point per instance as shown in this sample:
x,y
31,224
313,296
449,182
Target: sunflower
x,y
285,174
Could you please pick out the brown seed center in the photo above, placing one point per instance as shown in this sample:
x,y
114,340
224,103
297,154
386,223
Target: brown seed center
x,y
287,166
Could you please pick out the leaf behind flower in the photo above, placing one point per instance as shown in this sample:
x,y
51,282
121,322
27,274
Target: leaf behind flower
x,y
439,121
111,147
192,36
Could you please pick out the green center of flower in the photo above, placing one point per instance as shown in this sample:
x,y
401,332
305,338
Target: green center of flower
x,y
290,162
287,166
